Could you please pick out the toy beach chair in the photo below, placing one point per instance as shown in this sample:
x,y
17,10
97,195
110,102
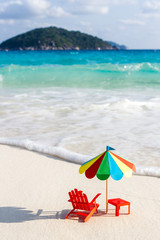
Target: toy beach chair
x,y
80,202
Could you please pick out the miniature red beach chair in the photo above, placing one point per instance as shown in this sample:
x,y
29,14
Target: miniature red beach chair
x,y
79,201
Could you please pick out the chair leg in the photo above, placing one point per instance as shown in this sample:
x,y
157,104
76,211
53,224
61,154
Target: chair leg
x,y
128,208
90,214
69,213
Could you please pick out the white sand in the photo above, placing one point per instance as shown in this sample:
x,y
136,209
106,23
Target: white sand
x,y
34,193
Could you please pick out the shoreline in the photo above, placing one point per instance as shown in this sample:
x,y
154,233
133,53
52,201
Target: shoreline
x,y
34,201
69,156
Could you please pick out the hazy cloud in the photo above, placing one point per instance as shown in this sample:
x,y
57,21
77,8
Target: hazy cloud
x,y
86,24
87,6
120,2
151,6
132,22
23,9
150,9
7,21
30,8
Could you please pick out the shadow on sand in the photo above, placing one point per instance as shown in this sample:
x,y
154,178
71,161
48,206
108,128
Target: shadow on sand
x,y
18,215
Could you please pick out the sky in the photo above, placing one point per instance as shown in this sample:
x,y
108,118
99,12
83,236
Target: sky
x,y
134,23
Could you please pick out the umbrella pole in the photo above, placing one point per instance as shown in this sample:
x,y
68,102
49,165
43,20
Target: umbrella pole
x,y
107,196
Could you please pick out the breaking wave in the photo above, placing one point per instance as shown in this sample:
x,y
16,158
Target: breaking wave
x,y
95,75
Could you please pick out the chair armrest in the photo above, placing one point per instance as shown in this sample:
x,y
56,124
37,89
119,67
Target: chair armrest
x,y
93,200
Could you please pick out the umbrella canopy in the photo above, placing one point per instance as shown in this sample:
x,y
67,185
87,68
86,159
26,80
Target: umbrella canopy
x,y
107,164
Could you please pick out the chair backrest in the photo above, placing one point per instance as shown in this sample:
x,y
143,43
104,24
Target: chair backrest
x,y
79,200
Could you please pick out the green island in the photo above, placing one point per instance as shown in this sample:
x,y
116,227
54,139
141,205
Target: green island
x,y
53,38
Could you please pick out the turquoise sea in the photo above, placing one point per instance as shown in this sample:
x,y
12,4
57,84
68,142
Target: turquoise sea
x,y
73,103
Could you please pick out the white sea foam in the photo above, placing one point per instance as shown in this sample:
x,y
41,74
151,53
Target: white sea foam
x,y
70,156
84,121
148,171
53,151
1,78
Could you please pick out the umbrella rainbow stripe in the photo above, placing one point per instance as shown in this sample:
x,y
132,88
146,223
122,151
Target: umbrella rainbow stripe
x,y
107,164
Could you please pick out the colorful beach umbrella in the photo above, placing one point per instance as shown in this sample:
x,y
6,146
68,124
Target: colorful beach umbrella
x,y
105,165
